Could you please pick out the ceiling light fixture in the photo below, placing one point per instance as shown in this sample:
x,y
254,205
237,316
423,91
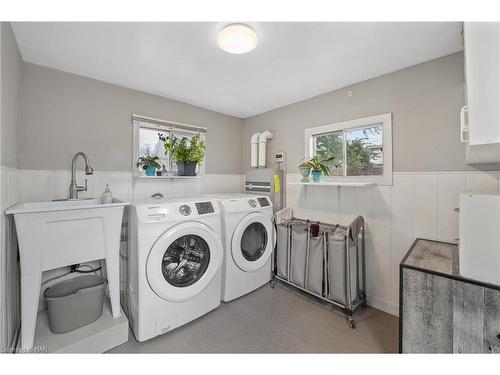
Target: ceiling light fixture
x,y
237,38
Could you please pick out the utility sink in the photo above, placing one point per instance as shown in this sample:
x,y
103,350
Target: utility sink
x,y
62,205
61,233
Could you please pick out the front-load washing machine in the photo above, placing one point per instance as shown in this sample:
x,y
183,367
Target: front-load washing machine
x,y
248,238
174,263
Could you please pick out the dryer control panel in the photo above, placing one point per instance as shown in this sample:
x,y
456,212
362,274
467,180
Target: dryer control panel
x,y
252,203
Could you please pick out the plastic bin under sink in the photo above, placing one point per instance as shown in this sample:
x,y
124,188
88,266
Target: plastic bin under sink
x,y
75,302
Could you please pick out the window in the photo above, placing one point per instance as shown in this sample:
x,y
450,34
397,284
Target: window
x,y
147,142
362,148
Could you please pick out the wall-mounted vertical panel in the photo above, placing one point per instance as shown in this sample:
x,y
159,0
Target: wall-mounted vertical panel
x,y
482,182
425,203
450,187
401,227
378,246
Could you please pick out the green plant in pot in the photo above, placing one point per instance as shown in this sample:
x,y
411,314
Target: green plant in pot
x,y
321,167
149,163
305,169
186,153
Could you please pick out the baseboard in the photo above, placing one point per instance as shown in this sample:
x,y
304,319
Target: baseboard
x,y
379,304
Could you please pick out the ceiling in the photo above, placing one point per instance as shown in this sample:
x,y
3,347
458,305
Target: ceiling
x,y
181,60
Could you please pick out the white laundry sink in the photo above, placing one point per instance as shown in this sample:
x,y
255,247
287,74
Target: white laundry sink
x,y
60,233
62,205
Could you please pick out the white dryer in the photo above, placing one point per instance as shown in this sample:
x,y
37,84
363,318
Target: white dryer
x,y
248,238
174,266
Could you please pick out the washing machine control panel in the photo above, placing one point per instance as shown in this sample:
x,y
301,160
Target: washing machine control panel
x,y
252,203
204,208
264,202
172,211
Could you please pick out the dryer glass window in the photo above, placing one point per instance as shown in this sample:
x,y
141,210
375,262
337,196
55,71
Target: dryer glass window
x,y
254,241
185,261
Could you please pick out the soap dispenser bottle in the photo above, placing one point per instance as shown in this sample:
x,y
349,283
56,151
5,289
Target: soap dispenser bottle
x,y
107,196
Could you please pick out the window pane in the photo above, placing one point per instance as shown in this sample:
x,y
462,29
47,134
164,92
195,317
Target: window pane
x,y
364,151
150,144
328,145
179,134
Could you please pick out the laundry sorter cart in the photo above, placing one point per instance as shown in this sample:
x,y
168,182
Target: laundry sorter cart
x,y
326,261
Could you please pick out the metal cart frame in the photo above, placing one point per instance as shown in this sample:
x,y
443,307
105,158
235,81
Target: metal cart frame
x,y
352,304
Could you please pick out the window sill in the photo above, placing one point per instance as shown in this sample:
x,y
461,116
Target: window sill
x,y
335,183
166,177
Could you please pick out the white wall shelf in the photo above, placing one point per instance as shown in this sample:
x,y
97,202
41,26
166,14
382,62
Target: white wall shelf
x,y
174,177
334,183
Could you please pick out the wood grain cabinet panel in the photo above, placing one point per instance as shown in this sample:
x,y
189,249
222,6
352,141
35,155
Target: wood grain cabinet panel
x,y
476,319
442,312
428,313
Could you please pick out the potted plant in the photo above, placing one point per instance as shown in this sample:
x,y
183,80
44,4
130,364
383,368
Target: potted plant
x,y
149,163
186,153
305,170
320,167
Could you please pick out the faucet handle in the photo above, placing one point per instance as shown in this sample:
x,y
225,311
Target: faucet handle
x,y
81,188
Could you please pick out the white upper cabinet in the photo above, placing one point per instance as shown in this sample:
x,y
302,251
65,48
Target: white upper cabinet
x,y
480,118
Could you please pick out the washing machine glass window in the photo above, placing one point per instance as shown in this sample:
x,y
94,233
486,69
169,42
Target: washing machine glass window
x,y
254,241
185,261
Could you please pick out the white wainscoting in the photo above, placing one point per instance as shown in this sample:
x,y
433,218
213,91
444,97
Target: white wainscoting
x,y
9,276
416,205
42,185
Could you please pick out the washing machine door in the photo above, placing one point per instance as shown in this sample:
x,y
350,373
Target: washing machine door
x,y
251,245
183,261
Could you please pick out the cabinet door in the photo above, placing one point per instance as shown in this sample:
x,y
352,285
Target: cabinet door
x,y
427,313
482,69
476,319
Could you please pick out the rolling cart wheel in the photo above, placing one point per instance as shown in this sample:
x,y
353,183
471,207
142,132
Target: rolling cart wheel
x,y
350,323
271,284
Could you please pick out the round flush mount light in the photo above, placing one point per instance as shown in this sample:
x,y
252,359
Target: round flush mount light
x,y
237,38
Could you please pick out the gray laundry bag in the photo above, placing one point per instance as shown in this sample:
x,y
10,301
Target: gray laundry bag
x,y
315,264
282,239
337,266
298,253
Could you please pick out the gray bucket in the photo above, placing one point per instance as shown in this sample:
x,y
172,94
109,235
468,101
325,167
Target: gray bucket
x,y
75,302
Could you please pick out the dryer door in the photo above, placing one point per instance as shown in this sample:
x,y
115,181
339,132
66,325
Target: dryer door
x,y
251,245
183,261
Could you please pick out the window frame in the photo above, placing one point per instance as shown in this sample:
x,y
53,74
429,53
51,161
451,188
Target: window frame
x,y
386,122
169,127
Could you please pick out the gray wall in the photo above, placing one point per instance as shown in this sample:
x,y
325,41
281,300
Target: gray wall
x,y
425,101
12,67
64,113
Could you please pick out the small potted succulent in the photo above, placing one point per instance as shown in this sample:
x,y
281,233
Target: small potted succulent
x,y
149,163
186,153
320,167
305,169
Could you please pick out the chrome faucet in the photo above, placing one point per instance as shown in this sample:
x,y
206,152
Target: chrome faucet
x,y
73,187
